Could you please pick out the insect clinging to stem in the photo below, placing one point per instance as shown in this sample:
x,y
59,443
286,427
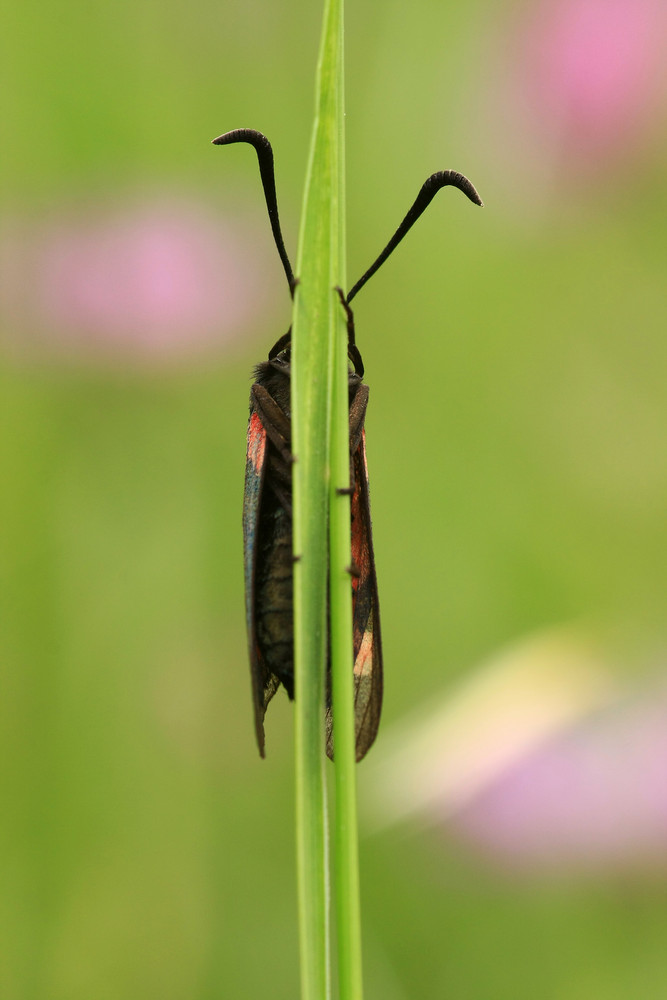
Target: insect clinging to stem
x,y
267,502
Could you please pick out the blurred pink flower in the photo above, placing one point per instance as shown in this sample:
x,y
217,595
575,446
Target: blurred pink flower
x,y
158,280
539,759
586,87
595,64
592,798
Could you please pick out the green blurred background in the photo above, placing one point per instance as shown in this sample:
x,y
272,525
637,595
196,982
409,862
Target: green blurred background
x,y
516,443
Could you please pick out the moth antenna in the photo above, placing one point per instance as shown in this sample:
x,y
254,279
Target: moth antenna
x,y
265,158
428,191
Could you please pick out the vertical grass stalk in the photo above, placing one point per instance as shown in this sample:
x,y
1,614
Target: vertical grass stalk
x,y
346,854
316,317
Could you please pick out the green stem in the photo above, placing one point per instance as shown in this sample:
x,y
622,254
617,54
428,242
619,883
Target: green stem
x,y
321,531
316,313
346,853
345,835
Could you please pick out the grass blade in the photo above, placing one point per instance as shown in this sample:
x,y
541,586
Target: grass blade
x,y
316,313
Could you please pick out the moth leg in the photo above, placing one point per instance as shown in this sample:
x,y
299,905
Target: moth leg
x,y
357,416
352,349
280,344
277,425
349,315
279,458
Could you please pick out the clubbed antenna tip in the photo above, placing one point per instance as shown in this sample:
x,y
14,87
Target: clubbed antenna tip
x,y
264,152
427,193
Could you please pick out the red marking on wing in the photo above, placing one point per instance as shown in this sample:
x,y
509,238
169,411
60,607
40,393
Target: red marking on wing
x,y
256,441
365,616
359,531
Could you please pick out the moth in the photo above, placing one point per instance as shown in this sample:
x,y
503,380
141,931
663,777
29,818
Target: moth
x,y
267,501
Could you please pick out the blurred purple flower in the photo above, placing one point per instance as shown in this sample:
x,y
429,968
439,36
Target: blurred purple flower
x,y
539,760
598,68
592,798
159,280
587,87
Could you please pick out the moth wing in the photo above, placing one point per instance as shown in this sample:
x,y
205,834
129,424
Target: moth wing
x,y
264,683
365,612
367,642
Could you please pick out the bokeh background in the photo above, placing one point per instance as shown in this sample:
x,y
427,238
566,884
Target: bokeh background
x,y
514,809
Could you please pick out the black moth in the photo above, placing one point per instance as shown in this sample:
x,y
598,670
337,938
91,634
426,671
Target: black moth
x,y
267,503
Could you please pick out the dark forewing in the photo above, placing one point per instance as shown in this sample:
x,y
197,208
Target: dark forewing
x,y
365,612
264,683
365,606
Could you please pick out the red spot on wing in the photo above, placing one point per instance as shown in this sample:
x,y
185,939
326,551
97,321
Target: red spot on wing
x,y
361,555
256,441
362,558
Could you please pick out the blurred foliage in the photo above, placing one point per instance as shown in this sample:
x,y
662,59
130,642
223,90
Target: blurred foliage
x,y
516,359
